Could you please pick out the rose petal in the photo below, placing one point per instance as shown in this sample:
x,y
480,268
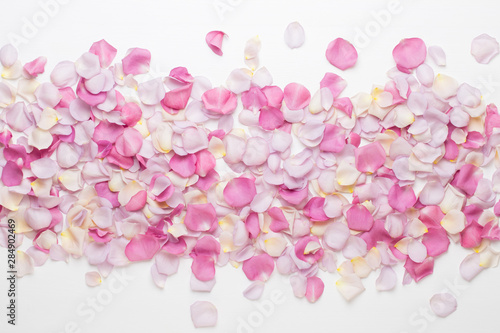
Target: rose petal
x,y
294,35
443,304
214,41
203,314
484,48
341,54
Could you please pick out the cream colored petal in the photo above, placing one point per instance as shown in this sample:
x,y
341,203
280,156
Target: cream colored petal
x,y
454,221
350,286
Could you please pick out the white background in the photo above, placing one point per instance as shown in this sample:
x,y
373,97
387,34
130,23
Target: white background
x,y
174,32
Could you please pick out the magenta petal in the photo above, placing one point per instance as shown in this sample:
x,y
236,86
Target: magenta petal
x,y
370,157
36,66
401,198
203,267
419,270
259,267
359,218
296,96
208,246
183,165
409,54
314,209
142,247
271,118
104,51
129,143
12,175
177,99
341,54
200,217
240,192
219,100
137,202
314,289
471,236
136,61
436,241
130,114
278,222
214,41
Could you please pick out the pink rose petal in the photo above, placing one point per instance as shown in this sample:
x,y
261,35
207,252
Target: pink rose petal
x,y
409,54
341,54
214,41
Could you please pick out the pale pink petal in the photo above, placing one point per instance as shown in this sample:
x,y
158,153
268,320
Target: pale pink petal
x,y
254,291
88,66
200,217
142,247
239,192
219,100
136,61
203,286
93,279
129,143
359,218
58,253
370,157
12,174
64,74
18,117
79,110
437,55
256,152
167,263
24,264
336,236
417,251
151,92
203,314
104,51
470,266
401,198
296,96
294,35
350,286
443,304
8,55
44,168
409,54
103,217
38,218
35,67
315,287
341,54
214,41
259,268
432,193
387,279
47,95
299,285
484,48
158,278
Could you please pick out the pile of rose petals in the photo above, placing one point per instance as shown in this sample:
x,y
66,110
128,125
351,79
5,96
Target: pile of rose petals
x,y
105,161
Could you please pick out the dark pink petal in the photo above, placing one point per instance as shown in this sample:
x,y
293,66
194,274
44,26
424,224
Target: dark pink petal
x,y
296,96
419,270
12,175
106,131
252,225
471,237
129,143
370,157
401,198
359,218
271,118
142,247
240,192
259,268
333,139
205,162
177,99
130,114
214,41
36,66
203,267
219,100
474,140
341,54
104,51
344,104
136,61
314,209
436,241
208,246
200,217
409,54
314,289
137,202
308,249
467,178
294,196
278,220
183,165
